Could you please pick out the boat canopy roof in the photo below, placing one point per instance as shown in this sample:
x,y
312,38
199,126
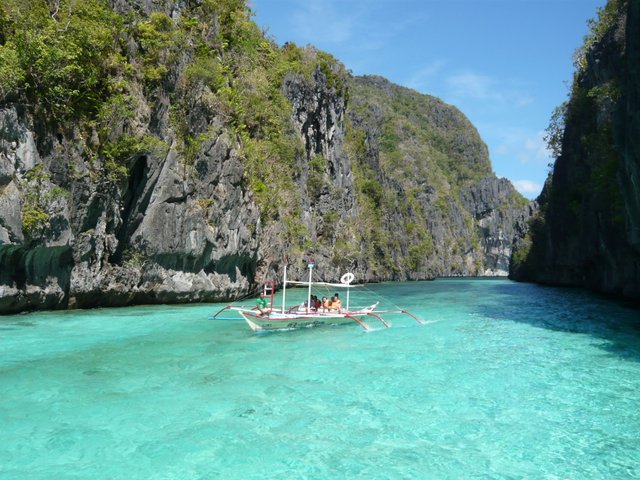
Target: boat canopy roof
x,y
324,284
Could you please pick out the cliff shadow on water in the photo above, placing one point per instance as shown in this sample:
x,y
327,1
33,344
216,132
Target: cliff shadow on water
x,y
572,310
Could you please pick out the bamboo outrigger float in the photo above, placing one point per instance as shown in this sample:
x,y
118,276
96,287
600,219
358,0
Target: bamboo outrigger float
x,y
300,316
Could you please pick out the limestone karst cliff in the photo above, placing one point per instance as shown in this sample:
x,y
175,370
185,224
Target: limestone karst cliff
x,y
587,232
423,170
161,152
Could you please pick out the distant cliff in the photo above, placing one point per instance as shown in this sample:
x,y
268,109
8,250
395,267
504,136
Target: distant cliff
x,y
423,170
587,232
162,152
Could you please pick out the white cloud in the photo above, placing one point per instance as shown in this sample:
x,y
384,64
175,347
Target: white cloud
x,y
502,149
527,187
524,145
474,86
486,91
421,78
523,100
320,24
534,149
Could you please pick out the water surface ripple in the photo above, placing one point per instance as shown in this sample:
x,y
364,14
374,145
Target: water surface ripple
x,y
508,381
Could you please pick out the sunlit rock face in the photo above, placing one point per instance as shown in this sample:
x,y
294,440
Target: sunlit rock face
x,y
431,158
385,193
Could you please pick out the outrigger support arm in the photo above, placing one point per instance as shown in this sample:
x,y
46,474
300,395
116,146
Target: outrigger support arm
x,y
360,322
379,318
421,322
364,325
221,310
384,322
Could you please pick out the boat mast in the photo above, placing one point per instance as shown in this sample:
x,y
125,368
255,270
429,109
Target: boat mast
x,y
284,286
311,265
348,288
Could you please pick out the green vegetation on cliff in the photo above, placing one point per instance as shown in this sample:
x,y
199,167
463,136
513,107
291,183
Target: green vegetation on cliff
x,y
158,140
58,55
415,158
85,64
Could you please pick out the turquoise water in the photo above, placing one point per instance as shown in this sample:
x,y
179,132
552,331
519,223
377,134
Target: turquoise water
x,y
507,381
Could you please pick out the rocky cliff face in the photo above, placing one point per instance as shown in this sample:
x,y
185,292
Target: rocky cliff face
x,y
500,215
194,175
587,231
324,180
154,240
457,218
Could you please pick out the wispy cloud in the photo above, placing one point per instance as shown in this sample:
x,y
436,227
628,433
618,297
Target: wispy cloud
x,y
469,89
474,86
321,23
525,146
486,89
501,149
352,33
534,149
527,187
422,78
523,100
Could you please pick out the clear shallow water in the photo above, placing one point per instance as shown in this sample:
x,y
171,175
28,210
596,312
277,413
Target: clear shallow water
x,y
509,381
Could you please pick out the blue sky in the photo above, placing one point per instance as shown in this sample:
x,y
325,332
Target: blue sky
x,y
506,64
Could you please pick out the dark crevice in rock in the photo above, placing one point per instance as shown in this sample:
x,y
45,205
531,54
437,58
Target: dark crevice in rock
x,y
179,262
227,266
133,204
181,199
41,274
13,270
94,209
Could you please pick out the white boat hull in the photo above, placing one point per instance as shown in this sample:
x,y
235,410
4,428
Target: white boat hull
x,y
288,321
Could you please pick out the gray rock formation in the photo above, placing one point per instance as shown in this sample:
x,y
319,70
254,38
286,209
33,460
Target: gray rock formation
x,y
441,178
171,224
491,202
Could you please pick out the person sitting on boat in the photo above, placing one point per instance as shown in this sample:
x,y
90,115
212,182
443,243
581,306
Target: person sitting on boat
x,y
336,304
314,301
317,304
262,304
326,304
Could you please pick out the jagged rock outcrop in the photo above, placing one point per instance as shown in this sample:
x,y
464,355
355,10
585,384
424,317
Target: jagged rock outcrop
x,y
500,218
325,181
164,238
192,175
587,231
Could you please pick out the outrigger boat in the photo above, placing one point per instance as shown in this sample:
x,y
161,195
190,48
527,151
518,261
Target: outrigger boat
x,y
299,316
